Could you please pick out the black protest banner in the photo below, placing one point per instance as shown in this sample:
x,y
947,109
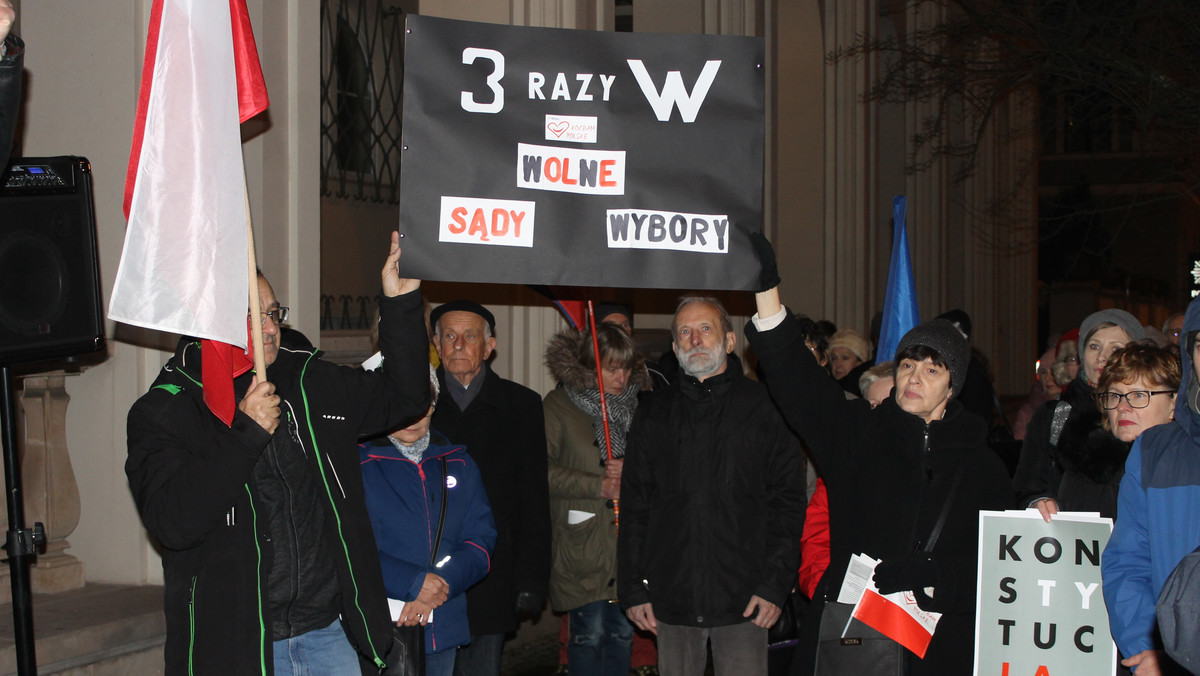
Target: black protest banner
x,y
584,158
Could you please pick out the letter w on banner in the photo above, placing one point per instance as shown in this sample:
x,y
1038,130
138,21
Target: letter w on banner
x,y
183,267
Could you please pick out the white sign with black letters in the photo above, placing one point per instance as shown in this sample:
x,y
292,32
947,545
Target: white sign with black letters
x,y
1040,607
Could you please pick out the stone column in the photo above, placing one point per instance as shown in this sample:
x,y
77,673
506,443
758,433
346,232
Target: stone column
x,y
48,483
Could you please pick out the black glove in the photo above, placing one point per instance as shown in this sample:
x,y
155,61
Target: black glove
x,y
529,604
768,277
916,572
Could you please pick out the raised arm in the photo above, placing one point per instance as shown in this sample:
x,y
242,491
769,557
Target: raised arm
x,y
812,404
399,391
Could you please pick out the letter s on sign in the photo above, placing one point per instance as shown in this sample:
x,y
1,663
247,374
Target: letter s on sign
x,y
468,101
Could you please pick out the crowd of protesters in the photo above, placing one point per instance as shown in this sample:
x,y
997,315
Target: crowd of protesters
x,y
674,512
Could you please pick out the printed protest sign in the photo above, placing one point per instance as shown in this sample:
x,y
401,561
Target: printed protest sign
x,y
1040,608
584,158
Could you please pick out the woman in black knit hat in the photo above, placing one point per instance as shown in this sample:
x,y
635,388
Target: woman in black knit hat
x,y
891,473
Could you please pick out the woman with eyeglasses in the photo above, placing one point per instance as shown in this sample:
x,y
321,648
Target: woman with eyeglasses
x,y
1136,391
1066,446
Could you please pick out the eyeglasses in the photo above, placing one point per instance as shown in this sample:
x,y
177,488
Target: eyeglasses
x,y
279,315
1135,399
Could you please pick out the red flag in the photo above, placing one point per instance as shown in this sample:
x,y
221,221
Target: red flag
x,y
897,622
220,363
251,87
573,310
183,268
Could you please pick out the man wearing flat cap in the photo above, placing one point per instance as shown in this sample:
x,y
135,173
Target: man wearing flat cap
x,y
501,424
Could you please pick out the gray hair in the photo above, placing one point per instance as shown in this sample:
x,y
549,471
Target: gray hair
x,y
876,372
1168,320
726,322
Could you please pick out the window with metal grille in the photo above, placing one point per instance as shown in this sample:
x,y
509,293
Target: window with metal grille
x,y
362,78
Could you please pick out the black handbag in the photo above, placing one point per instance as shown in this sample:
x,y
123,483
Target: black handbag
x,y
786,629
407,656
864,651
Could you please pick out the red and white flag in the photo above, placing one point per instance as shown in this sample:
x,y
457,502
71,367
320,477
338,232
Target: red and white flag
x,y
183,268
898,617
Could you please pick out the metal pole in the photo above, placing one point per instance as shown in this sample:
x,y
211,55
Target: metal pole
x,y
21,543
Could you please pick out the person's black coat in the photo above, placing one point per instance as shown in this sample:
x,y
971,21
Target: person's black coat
x,y
889,474
978,396
191,478
849,382
504,431
712,502
10,93
1083,471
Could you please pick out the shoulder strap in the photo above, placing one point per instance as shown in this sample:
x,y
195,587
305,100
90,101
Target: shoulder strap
x,y
941,520
1062,410
437,540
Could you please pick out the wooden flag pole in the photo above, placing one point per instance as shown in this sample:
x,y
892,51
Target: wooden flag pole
x,y
256,324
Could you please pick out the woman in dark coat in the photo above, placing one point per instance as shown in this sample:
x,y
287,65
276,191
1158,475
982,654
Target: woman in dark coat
x,y
889,472
1053,481
407,476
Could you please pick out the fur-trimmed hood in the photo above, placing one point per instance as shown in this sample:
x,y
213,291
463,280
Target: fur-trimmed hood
x,y
1086,448
565,368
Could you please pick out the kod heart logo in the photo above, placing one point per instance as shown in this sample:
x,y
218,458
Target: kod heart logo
x,y
557,128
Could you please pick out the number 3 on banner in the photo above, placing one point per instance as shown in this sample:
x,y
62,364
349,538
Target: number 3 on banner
x,y
468,101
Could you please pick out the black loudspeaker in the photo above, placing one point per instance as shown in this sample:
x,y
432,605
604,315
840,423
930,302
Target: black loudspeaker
x,y
50,304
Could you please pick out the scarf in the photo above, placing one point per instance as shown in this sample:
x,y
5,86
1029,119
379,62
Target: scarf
x,y
414,452
620,416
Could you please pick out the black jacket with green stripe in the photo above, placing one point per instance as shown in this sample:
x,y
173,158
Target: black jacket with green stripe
x,y
192,480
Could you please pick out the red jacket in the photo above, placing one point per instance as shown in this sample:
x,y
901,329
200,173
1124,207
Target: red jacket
x,y
814,543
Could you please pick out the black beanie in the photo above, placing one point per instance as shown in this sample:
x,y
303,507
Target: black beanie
x,y
943,337
462,306
605,309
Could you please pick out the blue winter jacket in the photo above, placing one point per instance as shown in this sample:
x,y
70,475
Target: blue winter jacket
x,y
1158,511
404,500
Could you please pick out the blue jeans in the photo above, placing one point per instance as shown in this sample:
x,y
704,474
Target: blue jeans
x,y
318,653
481,657
601,640
440,664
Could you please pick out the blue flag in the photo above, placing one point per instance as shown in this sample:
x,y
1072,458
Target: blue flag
x,y
900,304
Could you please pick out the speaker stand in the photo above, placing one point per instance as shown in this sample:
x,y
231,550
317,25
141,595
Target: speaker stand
x,y
21,544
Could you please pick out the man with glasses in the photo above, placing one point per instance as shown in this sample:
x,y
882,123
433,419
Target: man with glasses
x,y
269,560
